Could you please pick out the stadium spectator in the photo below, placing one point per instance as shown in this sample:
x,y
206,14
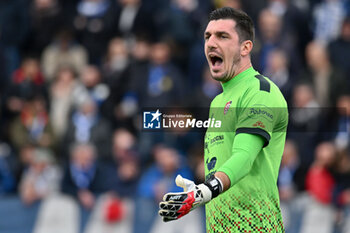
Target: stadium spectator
x,y
33,126
25,156
14,28
140,52
253,8
84,179
114,75
63,51
295,23
290,185
3,76
289,165
121,178
134,18
196,64
319,215
160,82
339,49
237,4
156,180
277,69
123,99
87,126
45,17
94,25
270,35
157,83
91,78
3,118
125,169
205,92
41,179
184,20
27,81
7,176
319,181
117,59
305,121
341,196
66,93
341,129
328,82
328,16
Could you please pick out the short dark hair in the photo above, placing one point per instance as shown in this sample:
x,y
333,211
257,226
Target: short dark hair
x,y
244,24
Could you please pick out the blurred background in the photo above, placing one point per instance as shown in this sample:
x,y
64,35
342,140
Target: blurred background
x,y
75,75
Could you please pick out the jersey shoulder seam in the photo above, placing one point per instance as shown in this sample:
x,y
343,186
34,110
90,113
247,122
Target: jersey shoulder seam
x,y
264,84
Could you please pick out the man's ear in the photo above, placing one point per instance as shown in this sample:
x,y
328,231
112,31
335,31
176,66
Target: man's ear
x,y
246,47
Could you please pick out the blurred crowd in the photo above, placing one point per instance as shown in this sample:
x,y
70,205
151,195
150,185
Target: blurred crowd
x,y
76,75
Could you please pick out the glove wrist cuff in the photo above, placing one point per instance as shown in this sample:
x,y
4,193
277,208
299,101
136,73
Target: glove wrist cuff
x,y
206,192
215,186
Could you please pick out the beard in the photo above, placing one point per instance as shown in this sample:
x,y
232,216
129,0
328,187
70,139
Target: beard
x,y
231,72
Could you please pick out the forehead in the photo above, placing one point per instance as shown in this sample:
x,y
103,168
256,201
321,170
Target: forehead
x,y
221,25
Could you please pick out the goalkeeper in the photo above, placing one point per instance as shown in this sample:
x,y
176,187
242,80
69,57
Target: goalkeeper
x,y
243,157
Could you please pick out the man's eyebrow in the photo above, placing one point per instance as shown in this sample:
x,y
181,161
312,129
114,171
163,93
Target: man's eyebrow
x,y
216,33
221,33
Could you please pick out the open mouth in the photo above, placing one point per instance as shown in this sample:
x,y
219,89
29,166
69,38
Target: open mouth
x,y
215,60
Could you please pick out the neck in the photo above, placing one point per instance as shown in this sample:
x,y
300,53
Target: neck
x,y
243,68
239,70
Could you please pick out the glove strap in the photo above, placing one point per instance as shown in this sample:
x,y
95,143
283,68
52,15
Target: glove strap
x,y
215,186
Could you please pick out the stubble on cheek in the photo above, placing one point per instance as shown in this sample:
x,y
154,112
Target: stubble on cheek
x,y
231,72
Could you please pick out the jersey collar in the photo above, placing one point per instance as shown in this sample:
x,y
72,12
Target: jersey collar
x,y
231,83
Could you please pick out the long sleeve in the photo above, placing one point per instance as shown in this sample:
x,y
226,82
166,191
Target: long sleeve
x,y
245,149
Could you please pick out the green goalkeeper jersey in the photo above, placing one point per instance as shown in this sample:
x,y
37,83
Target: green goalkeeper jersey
x,y
249,103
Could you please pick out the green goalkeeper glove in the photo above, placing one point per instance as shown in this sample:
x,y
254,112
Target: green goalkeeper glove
x,y
176,205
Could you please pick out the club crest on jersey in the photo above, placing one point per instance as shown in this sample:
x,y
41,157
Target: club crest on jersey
x,y
227,106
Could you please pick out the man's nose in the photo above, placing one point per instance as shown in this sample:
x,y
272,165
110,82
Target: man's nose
x,y
211,42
